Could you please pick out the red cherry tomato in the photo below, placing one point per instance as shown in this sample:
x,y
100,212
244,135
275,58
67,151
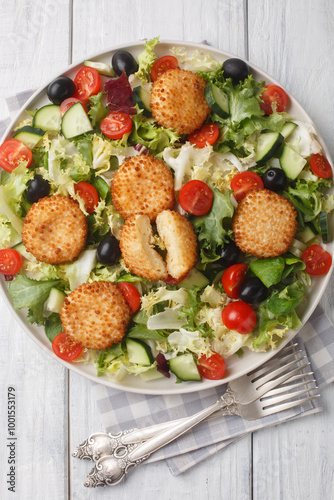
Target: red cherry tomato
x,y
12,153
89,194
162,65
65,348
274,99
10,261
317,260
65,105
174,281
212,367
116,124
232,279
196,197
320,166
245,182
87,83
239,316
131,295
208,134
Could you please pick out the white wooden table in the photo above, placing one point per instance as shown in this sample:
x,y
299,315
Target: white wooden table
x,y
293,41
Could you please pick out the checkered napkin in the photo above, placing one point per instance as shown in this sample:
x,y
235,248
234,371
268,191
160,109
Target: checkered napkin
x,y
125,410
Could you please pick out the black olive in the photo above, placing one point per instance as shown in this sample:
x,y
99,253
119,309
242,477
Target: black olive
x,y
253,291
37,188
60,89
123,60
274,179
237,69
108,251
229,254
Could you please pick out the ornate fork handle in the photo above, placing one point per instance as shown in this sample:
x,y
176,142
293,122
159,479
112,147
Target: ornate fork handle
x,y
111,469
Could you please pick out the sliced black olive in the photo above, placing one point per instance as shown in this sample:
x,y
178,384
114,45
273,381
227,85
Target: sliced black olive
x,y
237,69
274,179
253,291
123,60
108,251
60,89
37,188
229,254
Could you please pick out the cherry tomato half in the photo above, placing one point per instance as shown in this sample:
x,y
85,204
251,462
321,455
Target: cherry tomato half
x,y
89,194
65,348
239,316
245,182
12,153
10,261
212,367
116,124
162,65
87,83
320,166
65,105
274,99
208,134
196,197
317,260
131,295
233,278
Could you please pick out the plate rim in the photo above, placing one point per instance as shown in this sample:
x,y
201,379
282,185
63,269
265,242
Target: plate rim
x,y
183,388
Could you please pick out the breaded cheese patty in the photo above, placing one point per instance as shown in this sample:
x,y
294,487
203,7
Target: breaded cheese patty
x,y
180,240
264,224
96,315
143,184
136,244
55,230
178,102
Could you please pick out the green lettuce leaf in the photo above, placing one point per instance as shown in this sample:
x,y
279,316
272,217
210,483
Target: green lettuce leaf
x,y
97,110
146,60
53,326
210,229
269,271
143,333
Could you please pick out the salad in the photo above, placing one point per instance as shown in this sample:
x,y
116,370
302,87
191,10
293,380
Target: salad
x,y
183,327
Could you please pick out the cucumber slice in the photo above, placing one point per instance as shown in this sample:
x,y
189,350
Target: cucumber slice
x,y
55,300
194,278
267,145
288,128
48,118
185,368
30,136
307,234
75,121
139,352
297,248
324,226
291,162
217,100
142,97
101,68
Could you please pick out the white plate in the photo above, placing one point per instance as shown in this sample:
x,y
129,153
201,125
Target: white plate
x,y
236,367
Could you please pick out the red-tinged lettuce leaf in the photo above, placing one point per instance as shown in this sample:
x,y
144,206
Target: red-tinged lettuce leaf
x,y
162,365
119,95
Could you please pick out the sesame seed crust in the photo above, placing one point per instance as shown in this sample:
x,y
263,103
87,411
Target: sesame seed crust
x,y
178,102
96,315
55,230
264,224
143,184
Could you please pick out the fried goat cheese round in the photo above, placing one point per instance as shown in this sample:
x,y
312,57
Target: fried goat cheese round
x,y
137,247
143,184
55,230
96,315
178,102
180,240
264,224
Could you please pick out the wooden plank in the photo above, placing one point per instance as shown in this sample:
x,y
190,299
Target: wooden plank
x,y
98,26
294,45
34,44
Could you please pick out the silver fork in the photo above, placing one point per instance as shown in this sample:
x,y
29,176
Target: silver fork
x,y
252,396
